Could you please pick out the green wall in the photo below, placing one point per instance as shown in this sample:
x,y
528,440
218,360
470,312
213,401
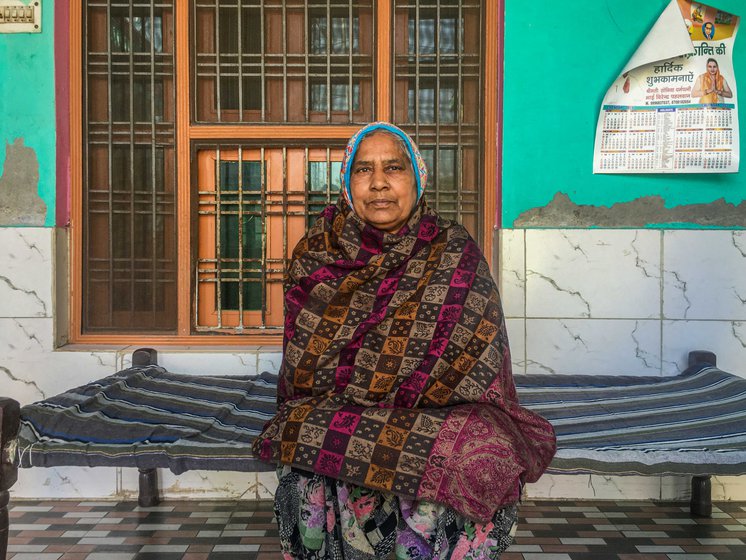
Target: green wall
x,y
560,58
27,100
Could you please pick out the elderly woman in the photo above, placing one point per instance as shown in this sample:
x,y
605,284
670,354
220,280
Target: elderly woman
x,y
398,431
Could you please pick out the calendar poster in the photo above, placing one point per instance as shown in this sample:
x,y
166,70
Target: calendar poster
x,y
674,107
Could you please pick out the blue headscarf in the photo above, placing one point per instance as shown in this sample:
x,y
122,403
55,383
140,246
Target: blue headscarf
x,y
418,164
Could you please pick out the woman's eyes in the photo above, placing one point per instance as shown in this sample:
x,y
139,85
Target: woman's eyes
x,y
394,167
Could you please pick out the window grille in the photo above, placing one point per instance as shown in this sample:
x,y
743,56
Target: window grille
x,y
281,62
254,204
437,73
129,243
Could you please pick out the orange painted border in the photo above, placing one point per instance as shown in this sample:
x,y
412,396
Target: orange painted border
x,y
384,61
76,170
183,172
271,132
499,62
62,117
491,88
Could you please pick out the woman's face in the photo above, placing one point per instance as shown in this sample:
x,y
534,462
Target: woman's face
x,y
712,67
382,182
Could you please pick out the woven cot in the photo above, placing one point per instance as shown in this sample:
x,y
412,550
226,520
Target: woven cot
x,y
147,417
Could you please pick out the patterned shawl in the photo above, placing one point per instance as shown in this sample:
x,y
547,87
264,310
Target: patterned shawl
x,y
396,372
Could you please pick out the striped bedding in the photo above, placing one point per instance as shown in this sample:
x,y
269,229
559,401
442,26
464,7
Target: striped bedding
x,y
146,417
689,424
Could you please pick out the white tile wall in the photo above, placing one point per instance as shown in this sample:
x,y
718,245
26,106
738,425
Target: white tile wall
x,y
727,339
705,275
624,301
593,346
31,370
513,272
26,272
266,485
591,486
577,301
599,274
517,341
198,484
66,482
209,362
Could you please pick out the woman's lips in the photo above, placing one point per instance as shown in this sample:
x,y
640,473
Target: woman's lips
x,y
380,203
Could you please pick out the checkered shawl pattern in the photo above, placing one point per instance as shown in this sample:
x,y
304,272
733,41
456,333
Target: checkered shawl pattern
x,y
396,370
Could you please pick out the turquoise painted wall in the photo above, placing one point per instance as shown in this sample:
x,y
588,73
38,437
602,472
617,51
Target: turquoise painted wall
x,y
27,100
560,58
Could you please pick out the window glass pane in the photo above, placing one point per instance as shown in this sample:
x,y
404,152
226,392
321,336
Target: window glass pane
x,y
318,97
136,29
324,185
447,36
424,43
318,176
427,105
318,35
240,248
448,103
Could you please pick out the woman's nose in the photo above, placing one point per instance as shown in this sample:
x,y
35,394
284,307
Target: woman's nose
x,y
379,179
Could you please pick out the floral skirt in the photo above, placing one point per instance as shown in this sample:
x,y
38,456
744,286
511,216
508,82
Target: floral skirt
x,y
323,518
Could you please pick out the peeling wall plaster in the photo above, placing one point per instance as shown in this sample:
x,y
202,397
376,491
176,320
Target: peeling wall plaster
x,y
561,212
20,203
27,112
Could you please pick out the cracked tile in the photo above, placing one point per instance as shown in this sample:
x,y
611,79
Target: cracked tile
x,y
705,275
568,273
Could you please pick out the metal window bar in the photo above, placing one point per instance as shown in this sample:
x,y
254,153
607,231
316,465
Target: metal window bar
x,y
218,65
241,236
239,23
329,31
263,267
350,50
284,63
262,68
153,163
131,175
306,60
218,237
110,182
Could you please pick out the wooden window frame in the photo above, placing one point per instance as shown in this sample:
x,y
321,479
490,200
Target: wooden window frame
x,y
187,132
207,311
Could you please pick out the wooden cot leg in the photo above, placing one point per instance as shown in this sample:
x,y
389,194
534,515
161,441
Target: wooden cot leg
x,y
4,523
148,479
702,357
10,418
701,502
148,496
